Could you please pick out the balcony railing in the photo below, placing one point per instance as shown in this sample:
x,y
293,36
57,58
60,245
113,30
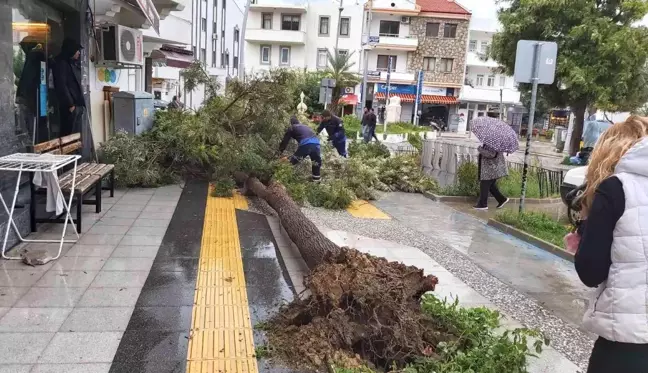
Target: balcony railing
x,y
259,36
405,43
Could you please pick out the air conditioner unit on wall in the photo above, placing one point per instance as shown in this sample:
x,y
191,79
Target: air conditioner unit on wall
x,y
120,47
405,20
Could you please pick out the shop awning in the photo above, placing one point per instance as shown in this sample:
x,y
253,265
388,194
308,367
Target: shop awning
x,y
172,56
426,99
349,99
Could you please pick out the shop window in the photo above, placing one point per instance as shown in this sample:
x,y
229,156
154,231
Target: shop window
x,y
37,39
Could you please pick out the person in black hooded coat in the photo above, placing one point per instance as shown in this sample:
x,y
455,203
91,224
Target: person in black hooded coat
x,y
67,81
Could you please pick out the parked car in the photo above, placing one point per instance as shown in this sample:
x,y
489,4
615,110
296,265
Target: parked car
x,y
572,187
160,104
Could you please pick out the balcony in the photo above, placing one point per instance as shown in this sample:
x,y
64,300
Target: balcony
x,y
261,36
396,77
395,42
489,95
272,7
478,59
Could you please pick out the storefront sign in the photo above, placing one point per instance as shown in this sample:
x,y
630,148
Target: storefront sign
x,y
373,40
374,74
402,89
43,89
411,89
435,91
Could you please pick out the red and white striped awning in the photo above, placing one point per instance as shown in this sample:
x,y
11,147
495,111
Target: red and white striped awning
x,y
426,99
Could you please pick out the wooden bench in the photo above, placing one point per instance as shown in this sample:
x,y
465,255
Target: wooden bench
x,y
89,178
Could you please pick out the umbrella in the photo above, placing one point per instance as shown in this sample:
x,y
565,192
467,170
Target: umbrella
x,y
495,134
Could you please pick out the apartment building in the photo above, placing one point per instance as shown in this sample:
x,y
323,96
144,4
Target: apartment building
x,y
216,41
484,87
300,35
428,36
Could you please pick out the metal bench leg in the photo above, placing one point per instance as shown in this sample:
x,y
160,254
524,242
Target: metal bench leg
x,y
32,205
79,197
112,183
98,197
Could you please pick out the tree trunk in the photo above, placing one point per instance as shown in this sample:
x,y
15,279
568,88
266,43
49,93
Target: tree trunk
x,y
312,244
577,131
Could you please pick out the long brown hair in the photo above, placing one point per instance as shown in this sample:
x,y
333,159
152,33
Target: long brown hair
x,y
610,148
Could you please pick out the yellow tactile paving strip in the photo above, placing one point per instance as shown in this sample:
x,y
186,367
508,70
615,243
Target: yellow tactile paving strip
x,y
221,330
365,210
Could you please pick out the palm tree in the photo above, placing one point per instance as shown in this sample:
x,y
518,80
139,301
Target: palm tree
x,y
339,68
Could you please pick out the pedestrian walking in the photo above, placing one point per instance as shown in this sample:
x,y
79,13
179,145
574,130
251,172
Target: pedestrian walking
x,y
335,130
491,167
175,104
370,131
612,253
309,146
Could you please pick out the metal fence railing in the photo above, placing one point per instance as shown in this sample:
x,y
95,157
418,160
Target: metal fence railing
x,y
548,180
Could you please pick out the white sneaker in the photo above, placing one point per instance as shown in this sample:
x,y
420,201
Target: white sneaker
x,y
503,203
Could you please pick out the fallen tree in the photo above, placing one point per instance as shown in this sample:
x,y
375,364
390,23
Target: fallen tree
x,y
359,304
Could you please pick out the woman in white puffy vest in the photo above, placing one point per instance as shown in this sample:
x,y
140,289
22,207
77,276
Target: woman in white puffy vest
x,y
613,250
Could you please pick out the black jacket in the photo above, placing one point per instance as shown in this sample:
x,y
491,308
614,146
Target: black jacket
x,y
29,80
67,76
299,132
334,128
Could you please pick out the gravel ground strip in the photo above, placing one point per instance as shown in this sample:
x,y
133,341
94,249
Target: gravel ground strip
x,y
565,338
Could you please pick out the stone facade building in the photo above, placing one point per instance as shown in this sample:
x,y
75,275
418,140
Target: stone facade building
x,y
438,49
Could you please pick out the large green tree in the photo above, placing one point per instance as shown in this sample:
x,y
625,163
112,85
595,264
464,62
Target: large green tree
x,y
602,52
339,68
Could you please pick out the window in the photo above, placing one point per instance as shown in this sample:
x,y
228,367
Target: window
x,y
483,47
383,62
236,62
203,24
502,81
284,56
223,4
222,59
432,29
481,107
345,25
194,51
322,58
290,22
429,63
236,34
447,65
324,25
265,55
472,46
203,55
266,21
463,105
491,81
389,28
215,28
213,59
480,80
450,30
227,59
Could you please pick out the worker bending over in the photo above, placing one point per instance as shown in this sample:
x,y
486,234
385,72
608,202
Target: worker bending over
x,y
335,130
309,146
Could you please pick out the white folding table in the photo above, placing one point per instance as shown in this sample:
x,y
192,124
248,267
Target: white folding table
x,y
46,163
